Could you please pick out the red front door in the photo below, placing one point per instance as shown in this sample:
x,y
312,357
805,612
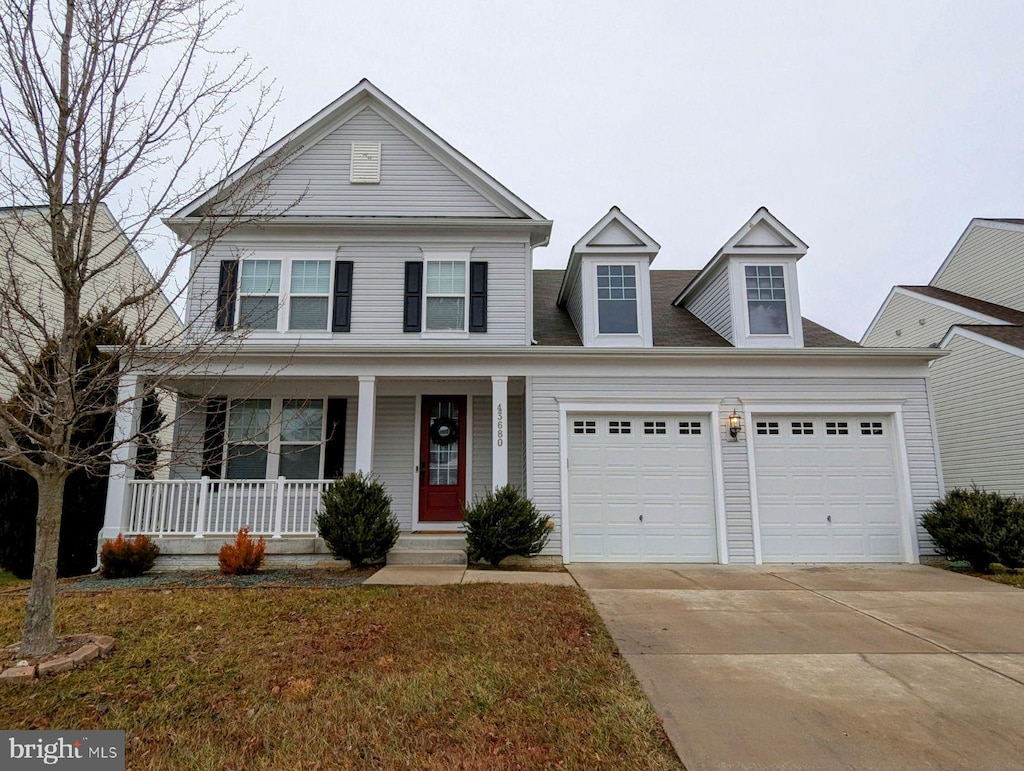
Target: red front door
x,y
443,458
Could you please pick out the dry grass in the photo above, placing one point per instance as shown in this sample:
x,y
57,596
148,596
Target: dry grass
x,y
1013,579
473,676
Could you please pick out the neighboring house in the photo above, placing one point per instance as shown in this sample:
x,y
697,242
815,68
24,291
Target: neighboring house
x,y
27,272
390,320
973,308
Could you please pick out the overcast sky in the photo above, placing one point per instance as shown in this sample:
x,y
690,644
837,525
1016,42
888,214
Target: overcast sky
x,y
874,130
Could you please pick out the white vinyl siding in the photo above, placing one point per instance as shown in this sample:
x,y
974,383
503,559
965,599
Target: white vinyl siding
x,y
904,314
979,409
712,306
393,456
546,460
988,265
413,183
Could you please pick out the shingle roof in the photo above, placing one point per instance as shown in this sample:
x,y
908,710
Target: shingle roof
x,y
1008,220
1009,334
673,327
1000,312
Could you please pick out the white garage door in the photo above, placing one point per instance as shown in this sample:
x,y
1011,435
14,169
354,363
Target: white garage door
x,y
826,489
641,489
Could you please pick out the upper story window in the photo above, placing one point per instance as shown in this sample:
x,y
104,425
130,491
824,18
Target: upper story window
x,y
766,299
310,290
259,291
616,300
446,296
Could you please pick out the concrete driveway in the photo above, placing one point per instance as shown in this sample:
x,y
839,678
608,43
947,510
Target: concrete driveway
x,y
896,666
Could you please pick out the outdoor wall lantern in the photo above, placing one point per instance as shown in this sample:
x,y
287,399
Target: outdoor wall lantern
x,y
735,424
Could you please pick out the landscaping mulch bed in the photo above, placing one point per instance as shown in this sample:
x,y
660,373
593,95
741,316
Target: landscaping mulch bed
x,y
315,578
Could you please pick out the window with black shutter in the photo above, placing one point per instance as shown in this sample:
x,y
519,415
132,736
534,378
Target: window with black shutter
x,y
478,297
413,296
334,446
342,320
226,288
213,437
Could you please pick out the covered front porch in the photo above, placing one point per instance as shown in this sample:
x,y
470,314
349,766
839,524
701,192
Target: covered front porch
x,y
260,454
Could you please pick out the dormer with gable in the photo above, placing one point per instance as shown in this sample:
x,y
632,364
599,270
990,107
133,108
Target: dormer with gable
x,y
748,292
607,284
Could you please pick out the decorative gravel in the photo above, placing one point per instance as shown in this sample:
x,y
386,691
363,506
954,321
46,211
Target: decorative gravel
x,y
183,579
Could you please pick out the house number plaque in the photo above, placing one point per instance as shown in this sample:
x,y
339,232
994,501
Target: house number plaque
x,y
499,425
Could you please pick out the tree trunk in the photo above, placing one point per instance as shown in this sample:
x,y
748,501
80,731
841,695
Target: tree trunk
x,y
38,637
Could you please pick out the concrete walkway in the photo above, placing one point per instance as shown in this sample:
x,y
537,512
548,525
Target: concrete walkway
x,y
435,575
887,667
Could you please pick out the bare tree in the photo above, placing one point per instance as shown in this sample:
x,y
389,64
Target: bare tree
x,y
125,102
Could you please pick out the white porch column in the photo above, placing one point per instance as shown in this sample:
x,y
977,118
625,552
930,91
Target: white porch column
x,y
364,425
499,431
122,457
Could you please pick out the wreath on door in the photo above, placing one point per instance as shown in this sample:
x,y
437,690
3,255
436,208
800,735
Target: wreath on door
x,y
444,431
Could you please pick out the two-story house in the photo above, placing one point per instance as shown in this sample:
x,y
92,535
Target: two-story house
x,y
973,309
390,320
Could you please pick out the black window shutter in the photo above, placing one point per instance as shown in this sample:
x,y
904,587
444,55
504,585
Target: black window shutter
x,y
478,297
213,437
334,447
413,296
342,297
225,318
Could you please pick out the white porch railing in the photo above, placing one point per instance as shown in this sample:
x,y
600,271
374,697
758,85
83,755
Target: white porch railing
x,y
200,507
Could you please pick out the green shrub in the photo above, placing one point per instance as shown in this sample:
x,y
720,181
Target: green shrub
x,y
503,523
357,522
122,558
978,527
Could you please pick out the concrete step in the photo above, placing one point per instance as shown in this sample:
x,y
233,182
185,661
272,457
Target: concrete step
x,y
428,541
427,557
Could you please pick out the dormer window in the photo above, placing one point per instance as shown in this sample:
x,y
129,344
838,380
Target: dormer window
x,y
766,300
616,300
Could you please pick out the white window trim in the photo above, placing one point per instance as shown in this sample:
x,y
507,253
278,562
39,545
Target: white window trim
x,y
274,435
287,305
284,293
446,334
240,294
741,312
644,336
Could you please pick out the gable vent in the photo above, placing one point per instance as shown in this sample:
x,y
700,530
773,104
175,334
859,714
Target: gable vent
x,y
365,167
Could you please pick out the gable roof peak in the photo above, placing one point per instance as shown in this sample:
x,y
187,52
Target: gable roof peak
x,y
363,94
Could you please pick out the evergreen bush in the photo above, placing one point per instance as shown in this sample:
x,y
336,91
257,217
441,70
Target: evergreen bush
x,y
124,558
357,523
243,557
85,493
503,523
978,527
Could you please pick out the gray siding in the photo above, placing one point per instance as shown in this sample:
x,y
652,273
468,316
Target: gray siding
x,y
393,452
712,305
989,265
900,325
412,181
575,302
482,450
378,297
547,461
979,410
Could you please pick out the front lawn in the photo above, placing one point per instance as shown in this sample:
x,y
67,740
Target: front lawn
x,y
472,676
